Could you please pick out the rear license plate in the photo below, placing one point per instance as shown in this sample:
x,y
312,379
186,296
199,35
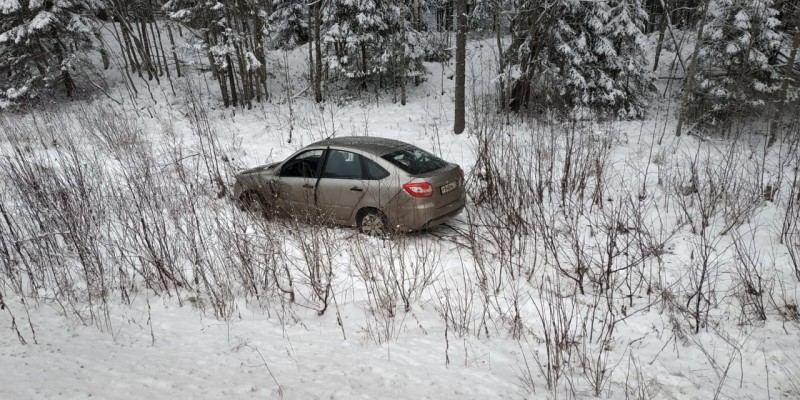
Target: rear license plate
x,y
449,187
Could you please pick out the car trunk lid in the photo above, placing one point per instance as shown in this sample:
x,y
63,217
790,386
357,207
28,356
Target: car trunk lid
x,y
447,184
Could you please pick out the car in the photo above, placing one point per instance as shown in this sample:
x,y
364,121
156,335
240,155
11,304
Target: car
x,y
376,184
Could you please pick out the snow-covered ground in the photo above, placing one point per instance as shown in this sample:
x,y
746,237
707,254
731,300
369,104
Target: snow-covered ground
x,y
458,339
177,353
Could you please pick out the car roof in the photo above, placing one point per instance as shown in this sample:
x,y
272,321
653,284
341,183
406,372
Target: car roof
x,y
370,144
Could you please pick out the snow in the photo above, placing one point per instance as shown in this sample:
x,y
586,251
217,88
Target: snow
x,y
14,93
6,36
160,347
41,21
180,14
742,20
252,61
8,6
189,356
80,24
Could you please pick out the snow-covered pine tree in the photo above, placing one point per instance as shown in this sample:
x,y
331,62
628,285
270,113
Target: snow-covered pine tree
x,y
288,24
737,72
416,46
579,58
373,41
43,44
481,15
623,80
357,30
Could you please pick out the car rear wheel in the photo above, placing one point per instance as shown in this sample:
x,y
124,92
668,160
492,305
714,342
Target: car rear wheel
x,y
372,222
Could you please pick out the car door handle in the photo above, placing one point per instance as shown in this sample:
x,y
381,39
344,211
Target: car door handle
x,y
356,189
308,186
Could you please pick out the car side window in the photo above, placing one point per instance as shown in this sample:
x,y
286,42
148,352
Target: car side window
x,y
374,171
304,165
342,165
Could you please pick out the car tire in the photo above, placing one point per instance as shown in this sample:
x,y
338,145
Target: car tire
x,y
373,222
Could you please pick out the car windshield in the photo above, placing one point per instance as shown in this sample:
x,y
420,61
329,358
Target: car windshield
x,y
414,160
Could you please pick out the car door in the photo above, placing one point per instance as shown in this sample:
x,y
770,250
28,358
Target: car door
x,y
341,186
294,187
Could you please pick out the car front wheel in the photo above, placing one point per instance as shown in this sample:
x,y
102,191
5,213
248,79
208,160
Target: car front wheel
x,y
252,202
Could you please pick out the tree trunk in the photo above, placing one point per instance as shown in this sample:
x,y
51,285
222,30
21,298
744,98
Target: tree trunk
x,y
311,75
417,14
666,4
687,89
144,45
461,55
364,67
218,75
69,84
243,47
174,52
317,52
128,64
661,33
153,37
138,46
164,57
247,94
789,76
103,51
258,38
497,27
401,54
130,49
232,80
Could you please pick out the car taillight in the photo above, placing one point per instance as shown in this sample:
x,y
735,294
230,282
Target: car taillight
x,y
461,176
419,189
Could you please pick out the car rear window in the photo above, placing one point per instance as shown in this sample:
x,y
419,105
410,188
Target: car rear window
x,y
414,160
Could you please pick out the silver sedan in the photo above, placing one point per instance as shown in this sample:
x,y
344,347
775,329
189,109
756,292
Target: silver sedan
x,y
376,184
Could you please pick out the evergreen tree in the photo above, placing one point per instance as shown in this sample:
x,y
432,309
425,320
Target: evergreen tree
x,y
357,30
288,24
371,40
737,68
579,56
415,47
43,43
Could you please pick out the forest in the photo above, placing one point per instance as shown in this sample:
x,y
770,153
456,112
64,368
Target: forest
x,y
733,58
